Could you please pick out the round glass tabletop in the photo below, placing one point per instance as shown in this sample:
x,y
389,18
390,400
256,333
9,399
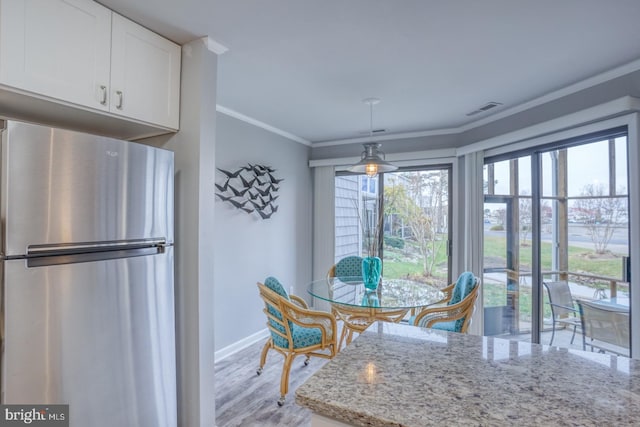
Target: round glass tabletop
x,y
391,293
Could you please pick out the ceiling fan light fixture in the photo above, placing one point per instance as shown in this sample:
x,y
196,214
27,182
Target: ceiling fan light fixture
x,y
370,162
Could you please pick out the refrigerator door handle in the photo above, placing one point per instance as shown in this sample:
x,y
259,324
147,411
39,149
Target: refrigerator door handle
x,y
72,248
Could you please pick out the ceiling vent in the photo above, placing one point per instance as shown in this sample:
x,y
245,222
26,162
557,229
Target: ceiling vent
x,y
486,107
374,131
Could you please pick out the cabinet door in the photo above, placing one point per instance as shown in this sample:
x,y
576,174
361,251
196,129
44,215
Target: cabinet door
x,y
57,48
145,74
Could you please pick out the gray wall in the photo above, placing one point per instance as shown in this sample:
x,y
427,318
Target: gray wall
x,y
248,248
194,147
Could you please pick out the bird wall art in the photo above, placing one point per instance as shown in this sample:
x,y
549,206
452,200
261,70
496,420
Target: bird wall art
x,y
251,188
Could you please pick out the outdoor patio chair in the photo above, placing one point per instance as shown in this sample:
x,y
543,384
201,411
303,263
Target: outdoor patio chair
x,y
605,327
562,309
295,330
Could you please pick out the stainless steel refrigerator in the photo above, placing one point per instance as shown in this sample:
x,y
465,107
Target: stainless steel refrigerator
x,y
87,295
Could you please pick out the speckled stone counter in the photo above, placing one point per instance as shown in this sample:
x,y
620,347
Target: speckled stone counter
x,y
399,375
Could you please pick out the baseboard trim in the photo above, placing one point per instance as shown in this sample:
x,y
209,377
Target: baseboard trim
x,y
240,345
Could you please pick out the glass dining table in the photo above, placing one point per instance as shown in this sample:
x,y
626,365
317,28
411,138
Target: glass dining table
x,y
359,307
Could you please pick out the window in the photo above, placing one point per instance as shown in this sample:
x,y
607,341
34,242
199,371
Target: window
x,y
416,223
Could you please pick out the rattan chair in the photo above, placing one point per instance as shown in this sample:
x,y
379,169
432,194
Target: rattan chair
x,y
562,309
294,330
456,315
605,327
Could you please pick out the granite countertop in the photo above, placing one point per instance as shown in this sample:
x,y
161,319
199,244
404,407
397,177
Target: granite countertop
x,y
399,375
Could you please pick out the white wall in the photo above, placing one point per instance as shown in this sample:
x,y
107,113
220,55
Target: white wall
x,y
248,248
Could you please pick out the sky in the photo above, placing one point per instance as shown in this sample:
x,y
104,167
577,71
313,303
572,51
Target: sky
x,y
587,164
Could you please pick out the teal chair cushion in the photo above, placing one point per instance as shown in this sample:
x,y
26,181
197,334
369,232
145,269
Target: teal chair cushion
x,y
275,285
350,266
302,337
464,285
450,325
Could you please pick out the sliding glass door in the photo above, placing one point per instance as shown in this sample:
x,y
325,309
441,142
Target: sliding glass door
x,y
558,213
507,248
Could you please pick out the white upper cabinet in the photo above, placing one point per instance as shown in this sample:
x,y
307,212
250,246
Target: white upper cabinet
x,y
145,74
79,52
57,48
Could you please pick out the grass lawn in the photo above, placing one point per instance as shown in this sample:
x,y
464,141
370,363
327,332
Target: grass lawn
x,y
406,262
403,262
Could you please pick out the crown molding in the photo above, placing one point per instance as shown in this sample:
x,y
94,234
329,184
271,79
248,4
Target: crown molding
x,y
214,46
231,113
387,137
612,109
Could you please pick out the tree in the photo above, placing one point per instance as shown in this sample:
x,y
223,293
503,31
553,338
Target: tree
x,y
602,214
524,213
418,201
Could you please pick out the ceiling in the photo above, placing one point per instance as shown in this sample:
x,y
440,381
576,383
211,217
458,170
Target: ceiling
x,y
304,66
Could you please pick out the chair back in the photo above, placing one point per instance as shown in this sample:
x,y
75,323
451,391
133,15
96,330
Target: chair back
x,y
604,323
465,284
272,292
560,298
454,317
350,266
470,293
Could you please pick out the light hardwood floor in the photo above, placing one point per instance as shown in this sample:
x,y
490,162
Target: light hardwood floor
x,y
245,399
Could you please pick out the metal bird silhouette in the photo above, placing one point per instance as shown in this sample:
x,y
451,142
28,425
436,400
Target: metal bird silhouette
x,y
251,188
223,197
247,210
230,174
262,192
246,183
238,193
273,179
223,188
265,215
256,205
258,170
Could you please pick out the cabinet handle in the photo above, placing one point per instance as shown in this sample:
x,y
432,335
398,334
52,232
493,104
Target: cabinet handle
x,y
103,100
120,99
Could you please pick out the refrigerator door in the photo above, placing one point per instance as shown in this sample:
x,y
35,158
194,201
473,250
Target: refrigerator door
x,y
59,186
97,335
